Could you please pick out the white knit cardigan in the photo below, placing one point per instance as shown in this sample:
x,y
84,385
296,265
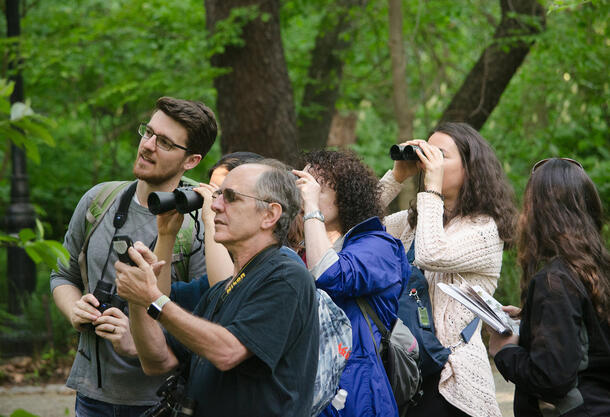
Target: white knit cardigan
x,y
471,248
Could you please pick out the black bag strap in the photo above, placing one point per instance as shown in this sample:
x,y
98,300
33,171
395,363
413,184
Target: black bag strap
x,y
367,310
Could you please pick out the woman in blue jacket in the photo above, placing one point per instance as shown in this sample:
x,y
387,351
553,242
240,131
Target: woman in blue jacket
x,y
350,255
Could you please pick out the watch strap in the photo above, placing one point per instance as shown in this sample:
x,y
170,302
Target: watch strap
x,y
154,309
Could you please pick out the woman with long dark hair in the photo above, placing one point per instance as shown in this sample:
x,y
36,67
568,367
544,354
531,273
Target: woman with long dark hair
x,y
560,362
460,222
351,256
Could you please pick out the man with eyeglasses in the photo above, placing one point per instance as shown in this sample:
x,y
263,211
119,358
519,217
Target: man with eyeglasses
x,y
252,341
106,372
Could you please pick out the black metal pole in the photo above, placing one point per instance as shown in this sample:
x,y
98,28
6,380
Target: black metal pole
x,y
21,271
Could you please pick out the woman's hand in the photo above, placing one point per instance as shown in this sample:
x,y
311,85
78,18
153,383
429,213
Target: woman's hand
x,y
513,312
431,161
310,190
497,341
113,325
405,169
207,214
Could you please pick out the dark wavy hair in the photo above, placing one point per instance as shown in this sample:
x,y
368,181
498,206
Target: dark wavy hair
x,y
357,187
563,217
486,190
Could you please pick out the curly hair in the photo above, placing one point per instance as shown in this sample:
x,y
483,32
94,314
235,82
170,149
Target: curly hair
x,y
357,188
563,217
486,190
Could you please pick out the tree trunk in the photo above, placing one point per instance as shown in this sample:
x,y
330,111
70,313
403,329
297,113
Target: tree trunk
x,y
490,76
402,111
255,104
324,75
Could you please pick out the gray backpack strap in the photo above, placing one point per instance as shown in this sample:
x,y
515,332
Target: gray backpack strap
x,y
95,213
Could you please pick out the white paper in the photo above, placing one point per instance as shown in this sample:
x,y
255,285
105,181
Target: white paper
x,y
479,302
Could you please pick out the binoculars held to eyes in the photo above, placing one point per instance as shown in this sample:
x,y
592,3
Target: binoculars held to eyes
x,y
183,199
404,152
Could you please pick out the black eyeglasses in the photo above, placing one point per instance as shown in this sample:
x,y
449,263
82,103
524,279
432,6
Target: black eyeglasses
x,y
230,195
544,161
161,141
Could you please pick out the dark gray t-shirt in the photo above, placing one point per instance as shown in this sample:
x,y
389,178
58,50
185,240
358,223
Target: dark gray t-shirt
x,y
274,313
122,379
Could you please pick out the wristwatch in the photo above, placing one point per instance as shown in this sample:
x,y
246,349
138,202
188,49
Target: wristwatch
x,y
154,310
314,215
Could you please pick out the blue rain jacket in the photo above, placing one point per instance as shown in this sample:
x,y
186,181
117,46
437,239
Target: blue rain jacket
x,y
372,264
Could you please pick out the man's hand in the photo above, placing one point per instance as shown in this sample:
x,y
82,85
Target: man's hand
x,y
84,311
138,284
113,325
169,223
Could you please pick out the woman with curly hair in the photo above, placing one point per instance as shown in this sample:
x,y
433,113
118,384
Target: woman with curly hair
x,y
463,216
560,362
350,255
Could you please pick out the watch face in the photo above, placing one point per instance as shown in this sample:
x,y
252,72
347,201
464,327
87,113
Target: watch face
x,y
153,311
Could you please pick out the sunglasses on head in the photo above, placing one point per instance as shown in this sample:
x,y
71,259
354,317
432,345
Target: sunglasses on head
x,y
544,161
230,195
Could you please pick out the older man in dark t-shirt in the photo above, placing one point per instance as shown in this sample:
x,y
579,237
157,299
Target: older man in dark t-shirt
x,y
252,341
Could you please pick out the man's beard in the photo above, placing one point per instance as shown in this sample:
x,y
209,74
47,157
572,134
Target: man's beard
x,y
156,179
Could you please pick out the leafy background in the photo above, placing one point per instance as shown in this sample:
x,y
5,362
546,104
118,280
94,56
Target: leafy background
x,y
94,69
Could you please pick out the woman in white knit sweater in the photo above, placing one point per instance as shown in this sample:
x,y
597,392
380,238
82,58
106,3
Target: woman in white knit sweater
x,y
461,220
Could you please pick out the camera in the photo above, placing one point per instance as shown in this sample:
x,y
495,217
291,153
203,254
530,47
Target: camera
x,y
107,298
183,199
174,402
404,152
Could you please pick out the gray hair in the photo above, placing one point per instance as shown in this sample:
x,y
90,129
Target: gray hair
x,y
278,184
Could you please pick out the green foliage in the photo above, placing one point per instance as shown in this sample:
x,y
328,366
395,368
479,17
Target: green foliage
x,y
40,250
21,125
559,5
22,413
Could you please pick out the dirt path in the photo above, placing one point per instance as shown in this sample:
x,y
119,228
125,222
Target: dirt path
x,y
44,401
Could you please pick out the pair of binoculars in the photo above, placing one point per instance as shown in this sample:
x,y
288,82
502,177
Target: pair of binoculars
x,y
404,152
183,199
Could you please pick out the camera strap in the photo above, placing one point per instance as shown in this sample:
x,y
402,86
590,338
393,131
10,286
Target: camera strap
x,y
120,217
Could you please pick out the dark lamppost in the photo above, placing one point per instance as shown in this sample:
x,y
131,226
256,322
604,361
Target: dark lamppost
x,y
21,271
